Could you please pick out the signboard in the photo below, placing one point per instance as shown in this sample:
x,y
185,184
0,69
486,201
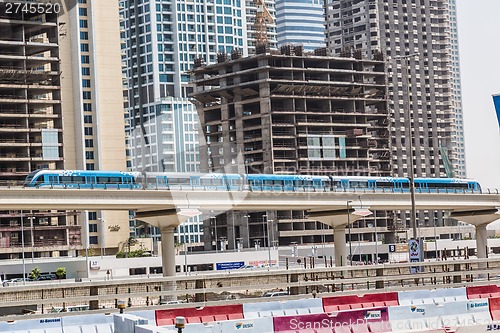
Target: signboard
x,y
94,265
220,266
392,248
414,250
496,101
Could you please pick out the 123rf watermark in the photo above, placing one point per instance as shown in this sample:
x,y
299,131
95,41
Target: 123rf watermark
x,y
17,9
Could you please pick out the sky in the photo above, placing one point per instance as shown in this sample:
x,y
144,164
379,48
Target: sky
x,y
478,28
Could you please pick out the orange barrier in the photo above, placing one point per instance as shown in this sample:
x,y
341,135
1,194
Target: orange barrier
x,y
483,291
206,314
341,303
495,308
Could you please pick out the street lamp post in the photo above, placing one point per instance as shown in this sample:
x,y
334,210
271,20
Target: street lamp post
x,y
234,232
215,231
268,240
349,226
22,245
376,240
248,230
31,218
409,155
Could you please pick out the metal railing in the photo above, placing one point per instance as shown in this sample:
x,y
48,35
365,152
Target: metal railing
x,y
248,285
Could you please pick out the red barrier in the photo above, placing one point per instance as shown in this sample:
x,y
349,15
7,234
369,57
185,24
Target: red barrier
x,y
342,303
495,308
483,291
206,314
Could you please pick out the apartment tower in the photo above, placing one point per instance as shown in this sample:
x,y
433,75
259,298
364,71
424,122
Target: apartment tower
x,y
301,22
292,113
419,42
162,41
31,130
92,99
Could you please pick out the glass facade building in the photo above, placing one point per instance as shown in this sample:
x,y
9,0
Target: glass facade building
x,y
300,22
161,40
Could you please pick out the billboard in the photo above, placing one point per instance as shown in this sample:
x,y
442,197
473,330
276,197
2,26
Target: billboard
x,y
496,101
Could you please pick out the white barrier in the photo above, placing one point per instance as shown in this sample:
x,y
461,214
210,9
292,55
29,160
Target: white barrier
x,y
90,323
45,325
419,297
435,316
256,325
146,314
282,308
152,329
126,323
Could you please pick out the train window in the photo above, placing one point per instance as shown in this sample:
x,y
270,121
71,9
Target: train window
x,y
384,184
102,180
178,181
451,185
115,180
78,179
359,184
268,183
66,179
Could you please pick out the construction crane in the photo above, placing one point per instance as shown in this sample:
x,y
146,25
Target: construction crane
x,y
262,18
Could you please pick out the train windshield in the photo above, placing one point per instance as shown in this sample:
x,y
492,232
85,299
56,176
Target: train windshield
x,y
29,178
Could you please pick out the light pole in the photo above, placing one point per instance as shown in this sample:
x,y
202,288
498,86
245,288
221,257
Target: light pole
x,y
349,226
376,240
268,240
435,239
22,245
215,231
234,232
102,241
248,230
409,155
31,218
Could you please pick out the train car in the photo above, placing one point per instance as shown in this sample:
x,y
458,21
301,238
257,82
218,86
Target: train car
x,y
182,180
82,179
398,184
287,182
446,184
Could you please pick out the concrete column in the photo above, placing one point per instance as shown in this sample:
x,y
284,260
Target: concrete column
x,y
481,240
168,260
340,246
168,251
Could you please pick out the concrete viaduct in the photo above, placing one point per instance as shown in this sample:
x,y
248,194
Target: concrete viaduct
x,y
166,209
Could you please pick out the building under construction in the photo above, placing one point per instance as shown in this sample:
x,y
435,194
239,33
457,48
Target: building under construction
x,y
295,114
31,129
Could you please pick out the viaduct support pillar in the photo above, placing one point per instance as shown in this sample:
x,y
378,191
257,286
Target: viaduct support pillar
x,y
167,221
168,251
338,220
481,241
340,245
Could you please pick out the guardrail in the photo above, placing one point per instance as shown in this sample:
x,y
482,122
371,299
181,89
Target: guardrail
x,y
240,286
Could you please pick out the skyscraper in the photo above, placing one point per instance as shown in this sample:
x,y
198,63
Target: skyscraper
x,y
31,129
422,37
163,39
300,22
262,121
92,99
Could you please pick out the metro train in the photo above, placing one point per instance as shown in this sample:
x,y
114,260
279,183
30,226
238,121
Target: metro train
x,y
233,182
